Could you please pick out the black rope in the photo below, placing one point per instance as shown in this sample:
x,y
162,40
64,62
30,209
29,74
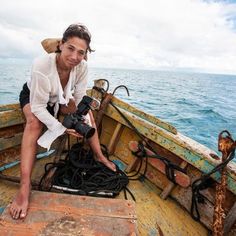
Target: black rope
x,y
81,172
202,183
131,194
170,167
100,90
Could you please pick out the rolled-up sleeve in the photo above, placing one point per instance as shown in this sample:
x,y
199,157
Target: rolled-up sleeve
x,y
39,96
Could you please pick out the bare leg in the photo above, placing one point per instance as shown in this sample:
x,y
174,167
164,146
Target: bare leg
x,y
33,129
95,145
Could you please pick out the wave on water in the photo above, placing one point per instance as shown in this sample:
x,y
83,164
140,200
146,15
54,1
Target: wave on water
x,y
198,105
211,113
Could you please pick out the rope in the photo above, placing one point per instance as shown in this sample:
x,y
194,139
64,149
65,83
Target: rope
x,y
203,183
81,172
170,167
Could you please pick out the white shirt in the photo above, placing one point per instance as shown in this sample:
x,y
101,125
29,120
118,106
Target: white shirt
x,y
45,88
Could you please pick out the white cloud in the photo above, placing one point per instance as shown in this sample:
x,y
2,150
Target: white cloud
x,y
141,34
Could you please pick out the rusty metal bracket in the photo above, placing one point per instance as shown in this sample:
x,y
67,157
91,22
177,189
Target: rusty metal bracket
x,y
226,145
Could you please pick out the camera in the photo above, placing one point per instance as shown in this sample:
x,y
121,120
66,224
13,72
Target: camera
x,y
76,120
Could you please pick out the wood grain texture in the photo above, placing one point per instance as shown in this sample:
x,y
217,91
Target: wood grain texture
x,y
57,213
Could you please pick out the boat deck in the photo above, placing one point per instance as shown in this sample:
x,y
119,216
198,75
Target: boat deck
x,y
153,213
65,214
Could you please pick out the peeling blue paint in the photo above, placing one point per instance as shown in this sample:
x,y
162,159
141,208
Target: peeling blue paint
x,y
39,156
2,209
120,164
168,142
152,232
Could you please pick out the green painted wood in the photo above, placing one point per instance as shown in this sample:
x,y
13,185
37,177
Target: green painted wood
x,y
146,125
154,120
10,117
172,143
11,141
12,106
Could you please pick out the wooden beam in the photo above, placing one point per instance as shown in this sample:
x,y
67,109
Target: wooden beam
x,y
102,109
60,147
11,117
168,189
11,141
67,214
230,219
46,184
17,179
114,139
185,148
181,178
152,119
132,165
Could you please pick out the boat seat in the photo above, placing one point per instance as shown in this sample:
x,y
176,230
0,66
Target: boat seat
x,y
62,214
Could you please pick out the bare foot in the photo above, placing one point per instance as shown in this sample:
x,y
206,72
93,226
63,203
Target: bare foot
x,y
107,163
19,206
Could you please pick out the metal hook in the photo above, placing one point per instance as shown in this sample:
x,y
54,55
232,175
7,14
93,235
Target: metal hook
x,y
121,86
224,134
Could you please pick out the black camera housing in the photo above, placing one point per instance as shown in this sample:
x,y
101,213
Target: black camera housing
x,y
76,120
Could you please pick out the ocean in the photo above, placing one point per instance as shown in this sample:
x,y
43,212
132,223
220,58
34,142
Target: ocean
x,y
199,105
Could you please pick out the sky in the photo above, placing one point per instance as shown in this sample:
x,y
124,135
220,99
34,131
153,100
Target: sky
x,y
188,35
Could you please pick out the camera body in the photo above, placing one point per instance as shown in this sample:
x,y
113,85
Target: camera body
x,y
76,120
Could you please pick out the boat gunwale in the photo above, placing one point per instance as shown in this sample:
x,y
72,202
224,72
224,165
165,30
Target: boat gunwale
x,y
201,152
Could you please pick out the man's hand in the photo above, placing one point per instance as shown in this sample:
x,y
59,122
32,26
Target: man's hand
x,y
73,133
70,108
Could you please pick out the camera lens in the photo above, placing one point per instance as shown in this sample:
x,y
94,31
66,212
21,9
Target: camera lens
x,y
85,130
90,133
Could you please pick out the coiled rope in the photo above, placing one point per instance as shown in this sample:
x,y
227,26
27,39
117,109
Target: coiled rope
x,y
79,171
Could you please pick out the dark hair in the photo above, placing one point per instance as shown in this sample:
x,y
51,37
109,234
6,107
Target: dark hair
x,y
80,31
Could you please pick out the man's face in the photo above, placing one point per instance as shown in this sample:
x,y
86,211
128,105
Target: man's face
x,y
73,51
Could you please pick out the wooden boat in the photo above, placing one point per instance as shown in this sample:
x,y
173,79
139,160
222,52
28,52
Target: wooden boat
x,y
162,207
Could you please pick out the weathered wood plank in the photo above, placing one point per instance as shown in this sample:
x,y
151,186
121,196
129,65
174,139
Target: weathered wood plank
x,y
114,139
200,158
61,141
149,118
153,212
230,219
11,106
181,195
181,178
11,117
9,155
73,215
11,141
142,114
167,190
11,131
151,209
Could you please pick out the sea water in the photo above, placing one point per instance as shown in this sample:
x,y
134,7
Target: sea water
x,y
199,105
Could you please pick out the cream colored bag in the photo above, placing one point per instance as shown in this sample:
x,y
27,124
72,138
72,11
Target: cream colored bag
x,y
51,44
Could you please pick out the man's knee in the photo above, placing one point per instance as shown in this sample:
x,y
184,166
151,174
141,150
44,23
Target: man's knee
x,y
33,124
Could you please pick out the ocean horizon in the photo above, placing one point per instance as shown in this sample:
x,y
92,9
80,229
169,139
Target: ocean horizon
x,y
199,105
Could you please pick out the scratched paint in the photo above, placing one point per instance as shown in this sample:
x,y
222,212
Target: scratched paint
x,y
11,115
171,143
165,139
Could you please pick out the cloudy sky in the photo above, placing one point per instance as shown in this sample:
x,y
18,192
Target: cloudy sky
x,y
190,35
